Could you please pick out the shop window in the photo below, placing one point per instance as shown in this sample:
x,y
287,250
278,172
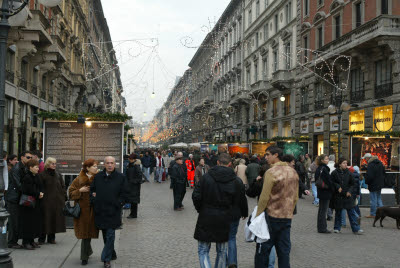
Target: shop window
x,y
357,93
266,32
334,145
287,129
288,56
275,53
305,51
258,8
286,107
337,26
384,7
275,107
275,130
319,101
320,36
265,68
306,7
304,108
383,83
255,73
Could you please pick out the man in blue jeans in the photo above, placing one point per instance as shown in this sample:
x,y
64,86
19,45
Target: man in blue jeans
x,y
108,195
239,210
375,178
216,197
278,199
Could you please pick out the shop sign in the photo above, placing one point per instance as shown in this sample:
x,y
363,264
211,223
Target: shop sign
x,y
334,122
319,124
383,118
304,126
357,120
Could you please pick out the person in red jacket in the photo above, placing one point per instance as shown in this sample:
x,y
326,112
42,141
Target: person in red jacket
x,y
190,170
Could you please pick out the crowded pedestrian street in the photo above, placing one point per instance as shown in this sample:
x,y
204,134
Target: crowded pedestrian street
x,y
162,237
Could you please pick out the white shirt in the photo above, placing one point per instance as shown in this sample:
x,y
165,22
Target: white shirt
x,y
331,166
5,175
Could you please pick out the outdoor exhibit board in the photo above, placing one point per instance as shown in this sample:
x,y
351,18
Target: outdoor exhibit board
x,y
71,143
260,147
294,148
234,148
387,151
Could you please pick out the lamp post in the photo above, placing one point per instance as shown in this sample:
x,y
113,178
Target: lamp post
x,y
344,107
12,13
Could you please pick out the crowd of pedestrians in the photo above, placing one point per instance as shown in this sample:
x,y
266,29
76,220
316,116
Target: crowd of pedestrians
x,y
35,196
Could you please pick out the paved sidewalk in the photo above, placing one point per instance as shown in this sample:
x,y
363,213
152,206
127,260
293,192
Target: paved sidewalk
x,y
66,253
161,237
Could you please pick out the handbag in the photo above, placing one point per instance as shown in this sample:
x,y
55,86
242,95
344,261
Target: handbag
x,y
320,183
70,211
27,201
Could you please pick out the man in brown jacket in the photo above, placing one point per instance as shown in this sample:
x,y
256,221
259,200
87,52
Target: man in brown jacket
x,y
278,199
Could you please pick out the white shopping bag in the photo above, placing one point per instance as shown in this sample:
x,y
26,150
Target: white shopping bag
x,y
256,225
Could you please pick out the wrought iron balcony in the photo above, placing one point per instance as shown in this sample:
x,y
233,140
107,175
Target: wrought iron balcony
x,y
384,90
22,83
304,108
357,96
10,76
34,90
43,93
319,105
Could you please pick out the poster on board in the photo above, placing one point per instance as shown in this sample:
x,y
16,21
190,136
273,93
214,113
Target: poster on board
x,y
294,148
213,147
260,147
222,148
204,148
235,148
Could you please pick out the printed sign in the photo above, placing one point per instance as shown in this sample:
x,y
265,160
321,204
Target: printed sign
x,y
304,126
356,120
334,123
71,143
235,148
319,124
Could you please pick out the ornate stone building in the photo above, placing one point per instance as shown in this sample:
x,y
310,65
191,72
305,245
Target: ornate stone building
x,y
45,70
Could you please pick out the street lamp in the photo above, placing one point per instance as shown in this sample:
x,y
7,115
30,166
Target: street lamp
x,y
344,107
12,13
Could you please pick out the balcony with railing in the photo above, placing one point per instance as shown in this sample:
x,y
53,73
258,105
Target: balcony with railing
x,y
383,90
304,108
319,105
34,90
43,93
10,76
23,83
357,96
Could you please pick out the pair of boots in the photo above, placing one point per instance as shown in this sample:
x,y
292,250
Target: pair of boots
x,y
134,208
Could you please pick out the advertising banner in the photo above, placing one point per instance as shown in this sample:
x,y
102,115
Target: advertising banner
x,y
204,148
223,148
304,126
213,147
319,124
356,120
260,147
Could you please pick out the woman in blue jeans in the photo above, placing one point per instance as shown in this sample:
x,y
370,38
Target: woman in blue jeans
x,y
344,184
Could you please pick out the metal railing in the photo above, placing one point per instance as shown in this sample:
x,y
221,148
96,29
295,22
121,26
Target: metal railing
x,y
10,76
384,90
23,84
357,96
319,105
304,108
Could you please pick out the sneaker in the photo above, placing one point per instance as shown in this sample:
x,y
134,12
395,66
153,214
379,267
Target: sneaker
x,y
107,264
360,232
336,231
84,262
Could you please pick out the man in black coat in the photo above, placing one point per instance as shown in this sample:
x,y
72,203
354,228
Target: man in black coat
x,y
375,179
108,195
220,200
178,181
17,173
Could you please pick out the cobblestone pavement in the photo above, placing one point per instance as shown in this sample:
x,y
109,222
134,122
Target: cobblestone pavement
x,y
161,237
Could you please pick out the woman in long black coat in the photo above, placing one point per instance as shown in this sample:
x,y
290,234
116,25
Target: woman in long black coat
x,y
53,202
344,184
324,195
134,177
31,217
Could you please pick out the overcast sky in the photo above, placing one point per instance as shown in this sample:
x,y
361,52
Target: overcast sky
x,y
133,25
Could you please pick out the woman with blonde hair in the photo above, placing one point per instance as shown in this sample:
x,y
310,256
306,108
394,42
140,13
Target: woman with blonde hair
x,y
52,204
79,191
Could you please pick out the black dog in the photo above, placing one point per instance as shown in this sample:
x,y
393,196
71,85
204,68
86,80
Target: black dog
x,y
392,212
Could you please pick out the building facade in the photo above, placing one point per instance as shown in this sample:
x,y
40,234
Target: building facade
x,y
45,71
350,54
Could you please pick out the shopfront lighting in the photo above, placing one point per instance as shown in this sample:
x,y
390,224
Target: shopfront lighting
x,y
331,109
88,123
283,98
